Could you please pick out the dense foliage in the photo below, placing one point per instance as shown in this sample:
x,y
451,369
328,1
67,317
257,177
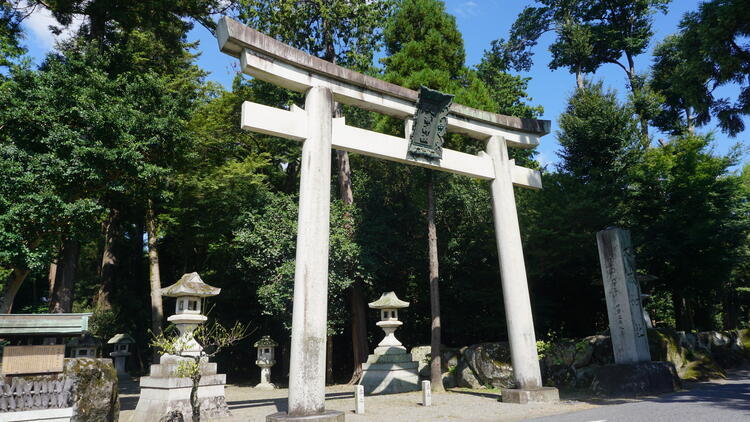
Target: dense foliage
x,y
116,138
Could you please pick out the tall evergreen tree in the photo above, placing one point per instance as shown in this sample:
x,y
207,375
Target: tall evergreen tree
x,y
429,54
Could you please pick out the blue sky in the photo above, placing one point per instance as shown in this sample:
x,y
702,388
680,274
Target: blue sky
x,y
480,22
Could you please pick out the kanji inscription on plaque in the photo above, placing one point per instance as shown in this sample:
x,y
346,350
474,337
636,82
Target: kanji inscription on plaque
x,y
430,124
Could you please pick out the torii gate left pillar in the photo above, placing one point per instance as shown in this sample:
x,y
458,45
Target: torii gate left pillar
x,y
307,364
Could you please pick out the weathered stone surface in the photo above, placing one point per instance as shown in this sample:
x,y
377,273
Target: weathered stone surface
x,y
173,416
635,379
531,395
449,380
691,364
95,392
623,295
490,362
465,376
421,355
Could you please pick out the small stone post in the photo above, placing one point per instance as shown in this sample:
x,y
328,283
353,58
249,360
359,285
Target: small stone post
x,y
623,294
426,394
519,319
359,399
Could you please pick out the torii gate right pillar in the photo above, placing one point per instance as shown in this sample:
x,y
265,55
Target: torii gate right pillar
x,y
515,288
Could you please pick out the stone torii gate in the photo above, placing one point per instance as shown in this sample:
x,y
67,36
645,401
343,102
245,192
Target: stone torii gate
x,y
324,83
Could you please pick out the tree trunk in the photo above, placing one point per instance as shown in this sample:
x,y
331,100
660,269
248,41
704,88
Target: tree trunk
x,y
631,78
62,296
329,360
690,120
195,405
109,261
15,280
157,311
359,330
436,372
579,78
52,274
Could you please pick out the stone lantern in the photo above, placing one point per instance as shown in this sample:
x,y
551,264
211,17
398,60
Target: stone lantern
x,y
121,351
389,305
163,391
84,346
390,369
189,291
266,359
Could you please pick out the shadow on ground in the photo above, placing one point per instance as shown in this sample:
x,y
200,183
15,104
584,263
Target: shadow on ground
x,y
279,403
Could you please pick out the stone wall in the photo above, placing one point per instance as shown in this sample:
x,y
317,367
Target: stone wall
x,y
89,386
571,362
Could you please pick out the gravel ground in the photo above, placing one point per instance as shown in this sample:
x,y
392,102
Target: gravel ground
x,y
250,405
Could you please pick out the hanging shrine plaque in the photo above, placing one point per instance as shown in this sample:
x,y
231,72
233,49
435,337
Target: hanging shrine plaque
x,y
430,124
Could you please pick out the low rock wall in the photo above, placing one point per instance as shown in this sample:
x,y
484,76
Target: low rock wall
x,y
572,362
89,386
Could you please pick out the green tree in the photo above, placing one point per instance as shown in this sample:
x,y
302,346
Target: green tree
x,y
10,34
589,34
713,44
692,218
684,91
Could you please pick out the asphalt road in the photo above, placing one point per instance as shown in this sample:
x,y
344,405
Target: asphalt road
x,y
718,401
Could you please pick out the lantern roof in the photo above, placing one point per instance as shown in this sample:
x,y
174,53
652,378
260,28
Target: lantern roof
x,y
190,285
388,301
121,338
85,340
265,341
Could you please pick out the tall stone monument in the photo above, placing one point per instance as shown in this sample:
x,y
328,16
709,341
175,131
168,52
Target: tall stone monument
x,y
633,372
623,294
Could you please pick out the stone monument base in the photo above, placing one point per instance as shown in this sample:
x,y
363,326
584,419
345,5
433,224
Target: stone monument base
x,y
327,416
163,392
390,370
635,379
530,395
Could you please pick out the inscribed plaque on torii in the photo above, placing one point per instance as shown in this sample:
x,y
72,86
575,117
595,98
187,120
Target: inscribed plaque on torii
x,y
430,124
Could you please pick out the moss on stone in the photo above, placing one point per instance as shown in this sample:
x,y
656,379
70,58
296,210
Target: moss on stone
x,y
691,365
95,390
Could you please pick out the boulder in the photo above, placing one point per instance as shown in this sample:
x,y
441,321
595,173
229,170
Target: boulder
x,y
465,377
691,364
491,364
449,380
635,379
95,389
421,355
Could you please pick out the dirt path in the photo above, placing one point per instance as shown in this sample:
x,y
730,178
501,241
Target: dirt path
x,y
250,405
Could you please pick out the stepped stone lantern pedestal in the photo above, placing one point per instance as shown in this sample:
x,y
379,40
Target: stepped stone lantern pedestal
x,y
120,355
266,359
163,391
390,369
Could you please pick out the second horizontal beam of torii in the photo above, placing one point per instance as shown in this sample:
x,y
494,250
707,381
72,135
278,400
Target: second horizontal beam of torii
x,y
293,125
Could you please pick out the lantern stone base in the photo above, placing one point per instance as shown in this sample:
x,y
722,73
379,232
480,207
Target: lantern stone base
x,y
327,416
163,392
530,395
390,370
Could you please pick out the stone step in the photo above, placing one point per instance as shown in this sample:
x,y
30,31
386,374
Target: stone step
x,y
406,357
390,366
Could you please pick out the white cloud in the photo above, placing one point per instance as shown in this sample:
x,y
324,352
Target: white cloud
x,y
467,9
38,22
